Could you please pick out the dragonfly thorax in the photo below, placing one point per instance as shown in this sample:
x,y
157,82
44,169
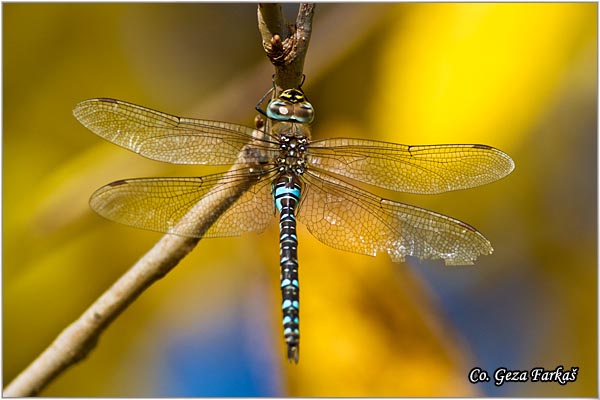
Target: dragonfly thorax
x,y
292,154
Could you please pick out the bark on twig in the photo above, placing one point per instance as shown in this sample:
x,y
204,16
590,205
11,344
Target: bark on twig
x,y
286,44
75,342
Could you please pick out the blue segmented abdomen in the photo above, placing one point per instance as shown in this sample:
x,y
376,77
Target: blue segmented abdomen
x,y
286,193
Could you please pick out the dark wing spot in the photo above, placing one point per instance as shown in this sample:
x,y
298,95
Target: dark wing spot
x,y
117,183
467,226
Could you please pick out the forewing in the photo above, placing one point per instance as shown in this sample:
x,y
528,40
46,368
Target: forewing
x,y
159,204
348,218
413,169
165,137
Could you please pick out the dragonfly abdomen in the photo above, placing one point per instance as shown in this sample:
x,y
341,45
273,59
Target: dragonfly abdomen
x,y
286,192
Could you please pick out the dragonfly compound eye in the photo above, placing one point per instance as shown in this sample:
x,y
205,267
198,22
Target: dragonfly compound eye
x,y
291,105
280,110
304,112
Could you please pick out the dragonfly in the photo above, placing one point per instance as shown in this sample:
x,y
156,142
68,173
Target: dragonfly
x,y
312,181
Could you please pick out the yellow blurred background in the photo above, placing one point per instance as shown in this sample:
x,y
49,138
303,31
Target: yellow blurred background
x,y
519,77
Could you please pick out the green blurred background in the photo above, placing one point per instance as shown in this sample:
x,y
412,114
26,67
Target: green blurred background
x,y
520,77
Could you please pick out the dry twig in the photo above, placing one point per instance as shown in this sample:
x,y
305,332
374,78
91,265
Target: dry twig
x,y
286,44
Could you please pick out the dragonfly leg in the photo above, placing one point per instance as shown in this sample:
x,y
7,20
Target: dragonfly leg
x,y
262,99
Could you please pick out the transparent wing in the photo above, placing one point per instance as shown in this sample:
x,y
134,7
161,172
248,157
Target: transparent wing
x,y
413,169
165,137
158,204
347,218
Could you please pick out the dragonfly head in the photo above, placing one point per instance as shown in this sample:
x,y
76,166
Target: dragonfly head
x,y
291,106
